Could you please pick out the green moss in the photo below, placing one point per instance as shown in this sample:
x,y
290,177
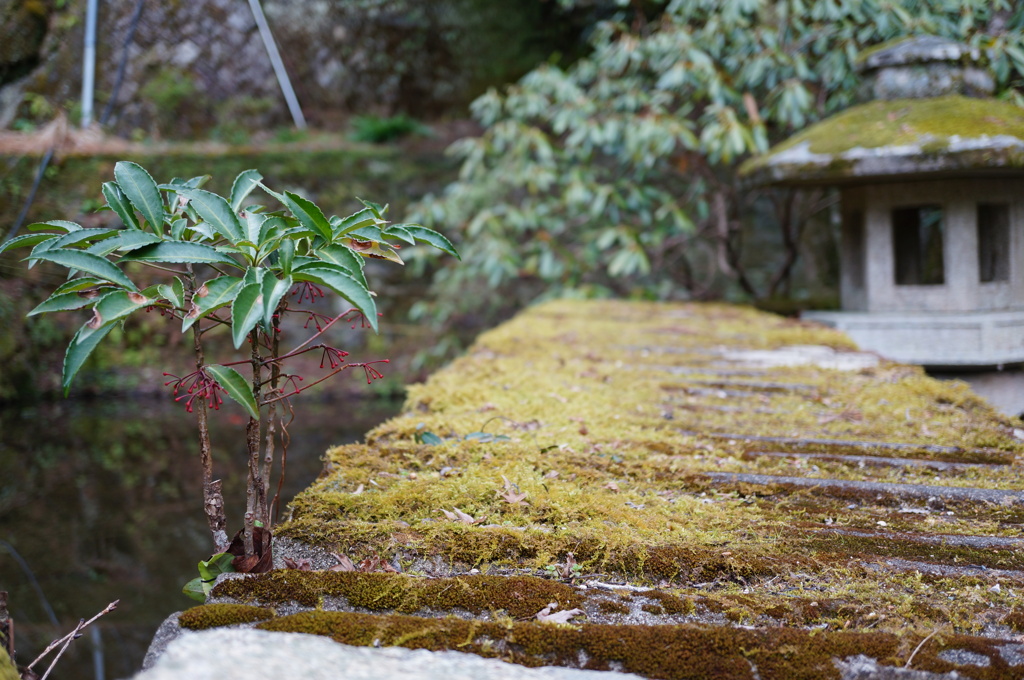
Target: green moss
x,y
519,596
216,615
667,651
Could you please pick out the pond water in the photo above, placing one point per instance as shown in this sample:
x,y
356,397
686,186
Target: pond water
x,y
101,500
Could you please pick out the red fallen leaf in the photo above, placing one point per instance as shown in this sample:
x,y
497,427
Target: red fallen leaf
x,y
344,563
302,564
262,561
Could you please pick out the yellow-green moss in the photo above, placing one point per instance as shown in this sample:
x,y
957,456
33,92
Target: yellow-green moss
x,y
519,596
930,121
215,615
615,411
668,651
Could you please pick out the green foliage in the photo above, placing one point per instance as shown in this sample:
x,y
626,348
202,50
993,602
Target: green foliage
x,y
618,174
377,130
199,587
214,263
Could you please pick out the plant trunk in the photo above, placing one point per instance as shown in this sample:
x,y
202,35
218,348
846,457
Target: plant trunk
x,y
256,496
213,497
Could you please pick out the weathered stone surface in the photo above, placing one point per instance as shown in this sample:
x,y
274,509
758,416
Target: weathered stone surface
x,y
233,654
576,478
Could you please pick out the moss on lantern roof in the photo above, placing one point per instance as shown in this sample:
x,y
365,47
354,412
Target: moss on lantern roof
x,y
898,137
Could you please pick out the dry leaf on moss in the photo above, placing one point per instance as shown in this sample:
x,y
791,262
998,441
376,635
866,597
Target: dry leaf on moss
x,y
563,616
460,516
510,493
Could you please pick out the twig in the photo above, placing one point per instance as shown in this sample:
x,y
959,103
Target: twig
x,y
616,586
74,635
71,636
920,645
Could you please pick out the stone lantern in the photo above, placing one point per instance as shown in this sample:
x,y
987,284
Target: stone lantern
x,y
931,176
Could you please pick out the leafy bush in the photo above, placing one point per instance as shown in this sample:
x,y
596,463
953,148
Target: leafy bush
x,y
216,264
617,175
377,130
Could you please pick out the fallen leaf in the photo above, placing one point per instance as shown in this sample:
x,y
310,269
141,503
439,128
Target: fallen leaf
x,y
358,490
460,516
510,493
563,616
344,563
302,564
612,486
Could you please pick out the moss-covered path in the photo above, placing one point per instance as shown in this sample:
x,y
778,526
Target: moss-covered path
x,y
716,492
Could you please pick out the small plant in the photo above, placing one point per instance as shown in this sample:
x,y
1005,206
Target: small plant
x,y
217,265
377,130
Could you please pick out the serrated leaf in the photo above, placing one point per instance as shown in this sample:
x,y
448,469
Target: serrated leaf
x,y
357,274
431,237
72,238
180,252
111,308
61,302
216,212
371,233
27,240
129,240
220,292
243,185
236,387
309,215
141,190
78,352
246,312
273,290
174,292
90,264
399,231
372,249
119,203
286,255
343,257
357,220
178,228
344,285
377,208
60,224
81,283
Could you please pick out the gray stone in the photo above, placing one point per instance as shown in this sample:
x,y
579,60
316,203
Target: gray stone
x,y
240,654
861,667
964,657
1012,654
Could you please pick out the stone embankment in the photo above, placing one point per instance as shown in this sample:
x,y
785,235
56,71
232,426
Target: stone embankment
x,y
673,491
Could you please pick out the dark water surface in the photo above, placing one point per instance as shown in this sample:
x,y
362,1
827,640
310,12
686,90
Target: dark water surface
x,y
101,500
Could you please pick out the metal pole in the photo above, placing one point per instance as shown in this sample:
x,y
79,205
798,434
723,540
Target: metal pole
x,y
275,60
89,63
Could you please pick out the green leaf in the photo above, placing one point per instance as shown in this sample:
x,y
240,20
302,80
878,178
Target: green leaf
x,y
399,231
81,283
179,252
119,203
357,274
236,387
286,255
72,238
178,228
273,290
357,220
432,238
220,292
27,240
343,257
246,312
216,212
129,240
309,215
61,302
175,292
428,438
65,225
90,264
78,352
345,285
243,185
194,589
112,307
141,190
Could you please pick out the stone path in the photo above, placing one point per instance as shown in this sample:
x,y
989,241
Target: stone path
x,y
681,491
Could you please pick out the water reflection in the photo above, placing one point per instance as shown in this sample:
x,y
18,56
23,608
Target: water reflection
x,y
102,500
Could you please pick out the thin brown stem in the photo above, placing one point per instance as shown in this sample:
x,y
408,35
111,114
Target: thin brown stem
x,y
71,636
213,497
256,498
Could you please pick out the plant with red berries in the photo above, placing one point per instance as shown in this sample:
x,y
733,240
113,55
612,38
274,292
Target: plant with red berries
x,y
221,264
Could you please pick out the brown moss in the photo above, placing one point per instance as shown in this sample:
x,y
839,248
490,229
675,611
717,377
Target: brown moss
x,y
610,607
519,596
216,615
652,651
657,610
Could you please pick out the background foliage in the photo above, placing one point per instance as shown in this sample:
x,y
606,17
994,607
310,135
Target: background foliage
x,y
617,175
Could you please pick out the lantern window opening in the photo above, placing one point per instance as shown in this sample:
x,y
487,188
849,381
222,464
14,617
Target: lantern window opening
x,y
993,221
918,248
